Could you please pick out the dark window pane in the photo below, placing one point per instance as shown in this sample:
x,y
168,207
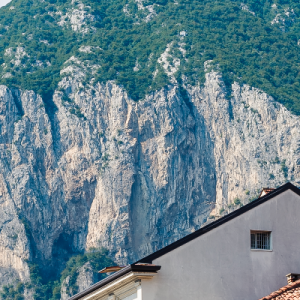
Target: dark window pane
x,y
261,240
253,246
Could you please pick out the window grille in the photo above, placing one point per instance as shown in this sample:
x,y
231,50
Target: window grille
x,y
261,240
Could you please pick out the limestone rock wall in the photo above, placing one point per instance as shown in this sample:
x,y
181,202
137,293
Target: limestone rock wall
x,y
85,278
256,140
96,169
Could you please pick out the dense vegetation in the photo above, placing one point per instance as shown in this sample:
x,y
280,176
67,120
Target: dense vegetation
x,y
43,289
244,42
9,292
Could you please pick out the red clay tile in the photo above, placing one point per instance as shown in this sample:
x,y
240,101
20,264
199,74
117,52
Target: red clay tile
x,y
288,292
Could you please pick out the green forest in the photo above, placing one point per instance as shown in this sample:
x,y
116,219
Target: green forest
x,y
45,289
244,43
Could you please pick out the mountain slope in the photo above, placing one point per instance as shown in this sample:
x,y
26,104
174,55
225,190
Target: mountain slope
x,y
126,125
133,42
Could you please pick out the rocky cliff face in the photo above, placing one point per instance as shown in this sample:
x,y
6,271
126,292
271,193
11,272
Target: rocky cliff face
x,y
255,140
85,279
97,169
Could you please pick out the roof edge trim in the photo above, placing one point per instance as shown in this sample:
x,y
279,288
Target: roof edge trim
x,y
109,279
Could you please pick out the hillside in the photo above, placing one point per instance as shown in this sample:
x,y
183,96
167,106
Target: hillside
x,y
255,42
126,125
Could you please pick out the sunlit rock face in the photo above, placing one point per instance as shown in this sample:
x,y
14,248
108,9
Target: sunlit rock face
x,y
255,140
96,169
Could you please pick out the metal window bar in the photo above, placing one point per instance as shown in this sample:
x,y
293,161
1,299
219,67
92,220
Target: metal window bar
x,y
261,240
253,244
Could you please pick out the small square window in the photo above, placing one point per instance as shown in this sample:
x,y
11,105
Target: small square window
x,y
261,240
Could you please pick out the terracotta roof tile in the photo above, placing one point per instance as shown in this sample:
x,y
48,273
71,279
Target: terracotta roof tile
x,y
288,292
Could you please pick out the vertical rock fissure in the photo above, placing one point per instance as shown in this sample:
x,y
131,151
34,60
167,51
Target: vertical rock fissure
x,y
51,109
184,94
16,97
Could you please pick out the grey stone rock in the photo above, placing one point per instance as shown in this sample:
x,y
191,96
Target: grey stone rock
x,y
85,278
130,177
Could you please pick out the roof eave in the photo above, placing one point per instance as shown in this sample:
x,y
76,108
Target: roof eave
x,y
115,276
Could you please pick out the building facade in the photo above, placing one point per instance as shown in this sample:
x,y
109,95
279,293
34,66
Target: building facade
x,y
244,255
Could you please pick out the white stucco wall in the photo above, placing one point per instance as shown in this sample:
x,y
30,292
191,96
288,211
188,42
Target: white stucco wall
x,y
220,264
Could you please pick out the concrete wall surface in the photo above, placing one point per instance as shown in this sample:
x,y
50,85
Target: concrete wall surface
x,y
219,265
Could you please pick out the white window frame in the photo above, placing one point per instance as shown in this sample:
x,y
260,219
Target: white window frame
x,y
255,232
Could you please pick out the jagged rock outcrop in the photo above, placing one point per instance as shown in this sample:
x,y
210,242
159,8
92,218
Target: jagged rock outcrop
x,y
85,278
96,169
256,140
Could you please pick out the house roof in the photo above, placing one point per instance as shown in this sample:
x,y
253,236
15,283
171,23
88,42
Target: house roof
x,y
145,264
288,292
265,191
130,268
111,269
221,221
